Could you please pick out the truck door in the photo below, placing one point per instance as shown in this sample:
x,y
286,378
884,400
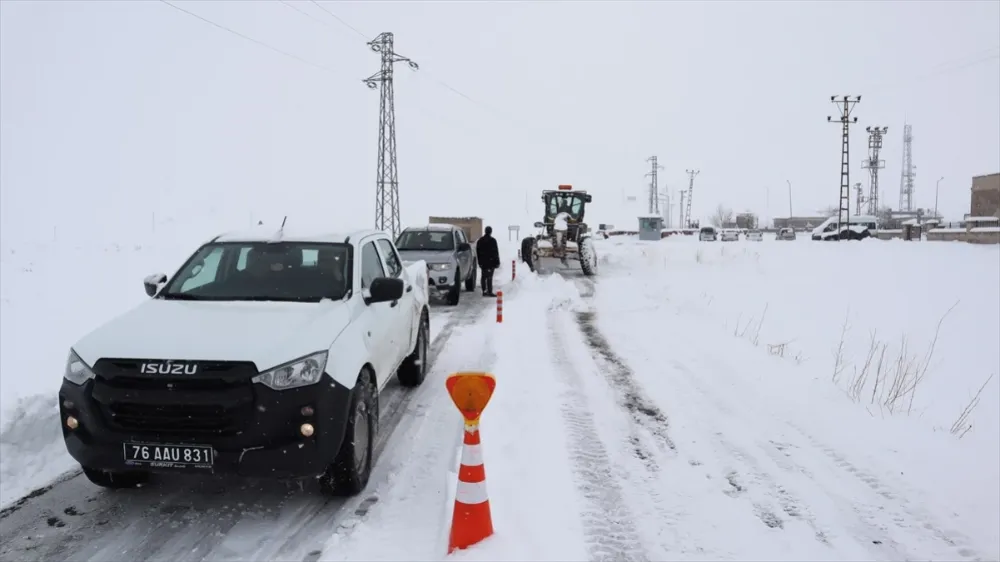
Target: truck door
x,y
464,258
378,317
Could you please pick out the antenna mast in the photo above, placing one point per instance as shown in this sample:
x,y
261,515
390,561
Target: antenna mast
x,y
907,175
873,164
654,194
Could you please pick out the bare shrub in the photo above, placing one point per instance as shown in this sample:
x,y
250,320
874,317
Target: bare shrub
x,y
860,379
756,335
838,356
962,425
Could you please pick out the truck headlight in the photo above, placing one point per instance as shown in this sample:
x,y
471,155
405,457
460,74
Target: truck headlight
x,y
77,372
438,266
301,372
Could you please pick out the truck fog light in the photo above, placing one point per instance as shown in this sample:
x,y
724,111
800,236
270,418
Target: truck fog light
x,y
305,429
72,422
306,411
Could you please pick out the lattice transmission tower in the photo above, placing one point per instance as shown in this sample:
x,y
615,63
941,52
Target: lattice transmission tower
x,y
654,194
907,174
845,105
387,182
690,196
873,164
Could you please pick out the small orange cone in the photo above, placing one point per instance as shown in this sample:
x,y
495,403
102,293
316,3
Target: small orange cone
x,y
472,521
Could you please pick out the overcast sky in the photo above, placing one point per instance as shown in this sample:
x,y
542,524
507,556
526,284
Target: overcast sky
x,y
113,111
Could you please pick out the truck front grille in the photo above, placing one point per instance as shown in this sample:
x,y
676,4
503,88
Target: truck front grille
x,y
178,418
218,400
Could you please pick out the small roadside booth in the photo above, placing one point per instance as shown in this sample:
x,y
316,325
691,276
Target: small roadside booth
x,y
650,227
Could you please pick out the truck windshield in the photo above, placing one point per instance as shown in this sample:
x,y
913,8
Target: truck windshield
x,y
432,240
262,271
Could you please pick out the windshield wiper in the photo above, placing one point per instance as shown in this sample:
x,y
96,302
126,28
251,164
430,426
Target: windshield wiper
x,y
276,299
183,297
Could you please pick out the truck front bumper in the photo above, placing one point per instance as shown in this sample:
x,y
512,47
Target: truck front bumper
x,y
251,430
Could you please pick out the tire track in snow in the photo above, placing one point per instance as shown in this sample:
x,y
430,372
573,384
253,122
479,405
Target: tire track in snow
x,y
631,397
868,521
746,479
608,523
191,518
904,515
642,411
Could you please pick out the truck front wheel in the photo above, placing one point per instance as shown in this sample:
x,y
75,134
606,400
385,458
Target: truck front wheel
x,y
349,473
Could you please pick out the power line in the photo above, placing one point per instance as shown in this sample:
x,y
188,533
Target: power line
x,y
306,14
341,20
503,117
252,40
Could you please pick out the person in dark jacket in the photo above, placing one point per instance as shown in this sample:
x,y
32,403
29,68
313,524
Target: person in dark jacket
x,y
488,256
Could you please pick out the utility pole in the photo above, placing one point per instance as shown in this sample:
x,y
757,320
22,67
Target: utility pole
x,y
789,182
690,195
845,105
907,174
654,194
873,164
387,182
936,187
680,209
667,214
861,197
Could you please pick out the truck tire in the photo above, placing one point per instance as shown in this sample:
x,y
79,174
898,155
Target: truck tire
x,y
456,291
588,257
527,252
470,283
116,480
349,473
413,371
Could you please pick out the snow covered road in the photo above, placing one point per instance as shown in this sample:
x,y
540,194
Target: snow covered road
x,y
630,422
629,425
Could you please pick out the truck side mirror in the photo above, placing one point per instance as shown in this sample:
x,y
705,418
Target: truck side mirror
x,y
464,247
152,283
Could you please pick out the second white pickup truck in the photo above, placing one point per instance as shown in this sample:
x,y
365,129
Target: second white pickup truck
x,y
264,355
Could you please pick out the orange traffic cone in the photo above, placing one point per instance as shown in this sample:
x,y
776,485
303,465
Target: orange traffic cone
x,y
472,521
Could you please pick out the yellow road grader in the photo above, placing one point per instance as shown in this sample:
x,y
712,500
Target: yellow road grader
x,y
562,235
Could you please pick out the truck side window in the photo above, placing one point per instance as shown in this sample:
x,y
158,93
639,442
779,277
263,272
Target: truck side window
x,y
391,258
460,234
371,265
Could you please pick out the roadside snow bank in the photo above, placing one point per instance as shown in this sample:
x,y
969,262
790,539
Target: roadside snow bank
x,y
49,297
528,476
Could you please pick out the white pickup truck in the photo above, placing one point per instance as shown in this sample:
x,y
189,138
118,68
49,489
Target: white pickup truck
x,y
264,355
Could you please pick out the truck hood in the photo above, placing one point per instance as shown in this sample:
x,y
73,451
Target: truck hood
x,y
267,333
429,256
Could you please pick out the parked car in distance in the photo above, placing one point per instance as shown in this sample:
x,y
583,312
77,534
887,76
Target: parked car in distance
x,y
755,235
785,234
730,235
707,234
450,258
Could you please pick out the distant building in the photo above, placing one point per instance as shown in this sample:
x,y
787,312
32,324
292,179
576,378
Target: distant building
x,y
985,196
798,223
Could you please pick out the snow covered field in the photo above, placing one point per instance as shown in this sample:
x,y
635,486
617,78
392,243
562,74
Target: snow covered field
x,y
648,413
